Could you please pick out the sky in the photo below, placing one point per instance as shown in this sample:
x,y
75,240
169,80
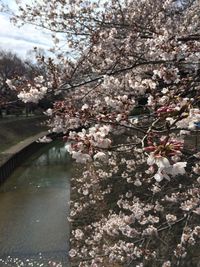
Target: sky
x,y
21,40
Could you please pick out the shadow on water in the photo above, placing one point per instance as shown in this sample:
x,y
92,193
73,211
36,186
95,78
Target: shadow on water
x,y
33,210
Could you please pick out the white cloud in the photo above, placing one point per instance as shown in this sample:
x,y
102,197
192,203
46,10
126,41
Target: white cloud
x,y
21,40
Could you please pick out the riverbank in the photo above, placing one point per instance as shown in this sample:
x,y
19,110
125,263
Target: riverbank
x,y
13,150
15,130
17,141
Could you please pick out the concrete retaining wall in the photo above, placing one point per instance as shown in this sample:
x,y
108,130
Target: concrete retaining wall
x,y
15,155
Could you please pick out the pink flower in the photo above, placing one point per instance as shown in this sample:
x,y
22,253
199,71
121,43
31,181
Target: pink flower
x,y
161,162
160,175
178,168
100,156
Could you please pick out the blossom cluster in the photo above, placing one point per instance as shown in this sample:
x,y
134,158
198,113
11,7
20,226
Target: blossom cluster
x,y
130,115
33,93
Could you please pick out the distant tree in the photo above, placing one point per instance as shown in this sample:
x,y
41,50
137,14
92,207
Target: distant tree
x,y
11,67
23,73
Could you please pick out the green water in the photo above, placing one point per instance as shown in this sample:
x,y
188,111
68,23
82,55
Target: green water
x,y
33,210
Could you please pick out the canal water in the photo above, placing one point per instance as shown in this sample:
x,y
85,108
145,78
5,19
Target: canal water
x,y
34,229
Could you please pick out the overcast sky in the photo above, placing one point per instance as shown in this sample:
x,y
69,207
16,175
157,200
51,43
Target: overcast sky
x,y
21,40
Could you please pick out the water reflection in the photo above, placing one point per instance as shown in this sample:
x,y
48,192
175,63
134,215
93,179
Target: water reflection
x,y
34,209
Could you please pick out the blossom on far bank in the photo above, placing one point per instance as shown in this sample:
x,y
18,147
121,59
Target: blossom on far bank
x,y
44,139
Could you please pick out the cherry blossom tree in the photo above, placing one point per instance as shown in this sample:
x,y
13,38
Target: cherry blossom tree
x,y
135,192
